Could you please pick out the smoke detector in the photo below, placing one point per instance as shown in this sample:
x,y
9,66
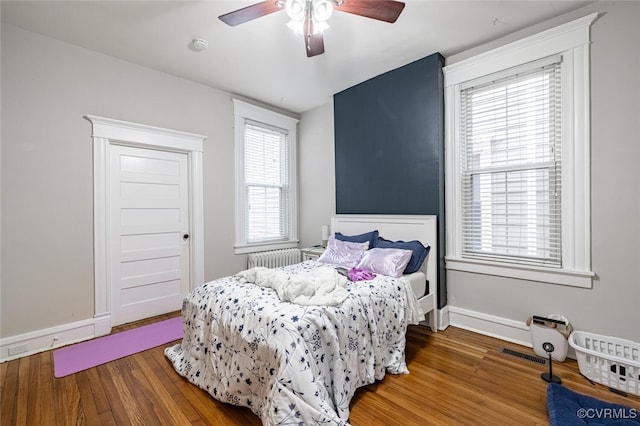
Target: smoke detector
x,y
199,44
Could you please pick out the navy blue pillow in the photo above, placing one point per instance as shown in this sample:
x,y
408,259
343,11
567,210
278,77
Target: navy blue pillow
x,y
420,252
367,237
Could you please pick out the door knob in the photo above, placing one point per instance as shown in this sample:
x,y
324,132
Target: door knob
x,y
185,236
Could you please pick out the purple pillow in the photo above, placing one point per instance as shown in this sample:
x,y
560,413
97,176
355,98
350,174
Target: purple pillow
x,y
386,261
342,253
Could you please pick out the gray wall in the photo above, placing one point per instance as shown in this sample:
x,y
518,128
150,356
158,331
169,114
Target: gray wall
x,y
611,307
316,169
47,86
47,205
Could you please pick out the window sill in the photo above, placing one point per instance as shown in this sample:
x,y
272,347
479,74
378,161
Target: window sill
x,y
566,277
253,248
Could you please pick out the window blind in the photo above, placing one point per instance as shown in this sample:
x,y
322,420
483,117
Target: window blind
x,y
510,134
266,178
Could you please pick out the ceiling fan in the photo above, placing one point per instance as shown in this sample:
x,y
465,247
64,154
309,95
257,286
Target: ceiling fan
x,y
309,17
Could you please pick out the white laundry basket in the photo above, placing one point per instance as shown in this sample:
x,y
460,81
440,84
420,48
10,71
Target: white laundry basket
x,y
607,360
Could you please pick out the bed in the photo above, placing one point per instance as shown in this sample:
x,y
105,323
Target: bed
x,y
301,364
422,228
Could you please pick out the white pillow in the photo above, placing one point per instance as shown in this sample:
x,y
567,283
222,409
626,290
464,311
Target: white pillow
x,y
342,253
386,261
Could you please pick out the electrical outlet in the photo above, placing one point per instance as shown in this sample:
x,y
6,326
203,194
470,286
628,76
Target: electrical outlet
x,y
17,349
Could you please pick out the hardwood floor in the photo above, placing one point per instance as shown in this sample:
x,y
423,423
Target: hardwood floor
x,y
457,378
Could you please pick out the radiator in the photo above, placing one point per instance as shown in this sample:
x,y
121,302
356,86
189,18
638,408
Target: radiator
x,y
275,258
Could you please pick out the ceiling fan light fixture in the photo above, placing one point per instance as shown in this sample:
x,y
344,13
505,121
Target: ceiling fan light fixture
x,y
295,26
318,10
321,10
309,17
320,27
296,9
298,27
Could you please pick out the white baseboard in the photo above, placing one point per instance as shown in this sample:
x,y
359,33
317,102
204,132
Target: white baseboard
x,y
488,325
443,318
102,324
62,335
54,337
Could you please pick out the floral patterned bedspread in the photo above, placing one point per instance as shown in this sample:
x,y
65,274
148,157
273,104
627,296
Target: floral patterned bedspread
x,y
293,364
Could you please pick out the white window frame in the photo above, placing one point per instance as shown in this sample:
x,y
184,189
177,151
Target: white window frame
x,y
244,111
571,41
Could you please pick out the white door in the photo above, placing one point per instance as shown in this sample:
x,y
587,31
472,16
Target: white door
x,y
149,218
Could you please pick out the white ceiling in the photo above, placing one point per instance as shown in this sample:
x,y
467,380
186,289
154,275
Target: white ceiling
x,y
263,59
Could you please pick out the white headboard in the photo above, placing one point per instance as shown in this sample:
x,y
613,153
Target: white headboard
x,y
396,227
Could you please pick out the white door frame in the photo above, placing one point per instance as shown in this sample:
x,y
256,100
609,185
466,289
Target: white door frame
x,y
107,131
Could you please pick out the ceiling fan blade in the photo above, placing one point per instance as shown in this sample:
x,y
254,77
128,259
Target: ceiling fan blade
x,y
382,10
249,13
313,43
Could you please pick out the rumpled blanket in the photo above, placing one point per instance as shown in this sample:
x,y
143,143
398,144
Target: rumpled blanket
x,y
322,286
292,364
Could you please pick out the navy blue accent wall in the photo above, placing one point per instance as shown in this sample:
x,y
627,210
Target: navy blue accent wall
x,y
389,146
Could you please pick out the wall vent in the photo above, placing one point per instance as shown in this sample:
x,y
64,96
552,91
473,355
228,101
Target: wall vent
x,y
17,349
522,355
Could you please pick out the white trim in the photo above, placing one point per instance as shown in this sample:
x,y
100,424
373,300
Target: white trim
x,y
263,115
102,292
443,318
43,340
105,132
254,248
571,41
523,272
241,111
490,325
440,315
196,208
149,136
582,159
49,338
547,43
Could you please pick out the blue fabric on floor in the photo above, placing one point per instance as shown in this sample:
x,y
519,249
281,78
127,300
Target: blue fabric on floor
x,y
569,408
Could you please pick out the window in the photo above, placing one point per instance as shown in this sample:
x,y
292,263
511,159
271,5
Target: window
x,y
265,179
510,148
518,162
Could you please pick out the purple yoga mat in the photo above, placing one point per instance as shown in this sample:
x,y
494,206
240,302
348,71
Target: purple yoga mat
x,y
81,356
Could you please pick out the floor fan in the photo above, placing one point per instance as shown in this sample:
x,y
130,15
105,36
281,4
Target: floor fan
x,y
549,377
